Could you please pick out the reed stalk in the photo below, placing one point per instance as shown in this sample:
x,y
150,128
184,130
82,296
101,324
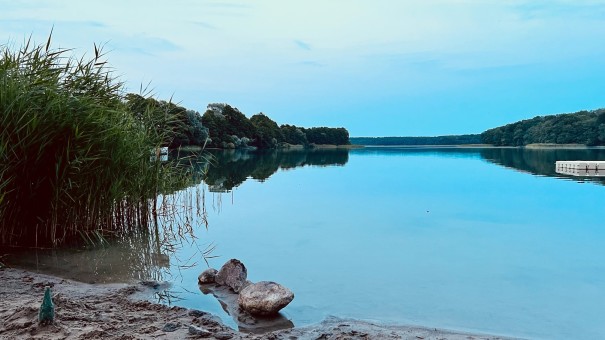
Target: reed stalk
x,y
74,158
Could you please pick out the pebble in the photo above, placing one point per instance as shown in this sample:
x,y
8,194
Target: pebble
x,y
223,336
194,330
171,327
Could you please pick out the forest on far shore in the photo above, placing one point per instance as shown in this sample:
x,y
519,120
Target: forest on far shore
x,y
438,140
583,127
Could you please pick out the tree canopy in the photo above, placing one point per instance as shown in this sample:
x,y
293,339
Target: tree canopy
x,y
229,128
180,126
583,127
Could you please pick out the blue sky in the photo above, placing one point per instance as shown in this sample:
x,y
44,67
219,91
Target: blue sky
x,y
378,68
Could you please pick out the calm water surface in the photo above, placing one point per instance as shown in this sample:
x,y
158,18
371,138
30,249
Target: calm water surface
x,y
485,240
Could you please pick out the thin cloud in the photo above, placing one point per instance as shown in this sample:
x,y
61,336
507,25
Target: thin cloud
x,y
303,45
35,23
227,5
204,25
543,9
145,45
310,63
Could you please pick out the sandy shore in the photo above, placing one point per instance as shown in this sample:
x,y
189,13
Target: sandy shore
x,y
119,311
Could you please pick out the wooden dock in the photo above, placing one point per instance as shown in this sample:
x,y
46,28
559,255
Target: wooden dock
x,y
581,168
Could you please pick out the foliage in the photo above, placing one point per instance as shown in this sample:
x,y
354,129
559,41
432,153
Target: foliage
x,y
268,134
325,135
294,135
584,127
182,127
229,128
439,140
74,160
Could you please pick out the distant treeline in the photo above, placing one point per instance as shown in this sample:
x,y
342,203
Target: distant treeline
x,y
584,127
223,126
439,140
229,129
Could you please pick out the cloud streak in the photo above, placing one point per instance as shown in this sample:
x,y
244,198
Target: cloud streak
x,y
303,45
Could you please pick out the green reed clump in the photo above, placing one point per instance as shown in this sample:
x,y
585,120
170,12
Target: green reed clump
x,y
74,159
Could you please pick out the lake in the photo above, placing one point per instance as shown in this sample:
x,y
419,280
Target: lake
x,y
487,240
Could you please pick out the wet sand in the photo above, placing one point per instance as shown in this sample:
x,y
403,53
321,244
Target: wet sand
x,y
119,311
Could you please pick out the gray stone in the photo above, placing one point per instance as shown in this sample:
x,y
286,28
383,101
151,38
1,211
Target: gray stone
x,y
200,332
171,327
223,336
264,298
232,274
246,323
197,313
207,276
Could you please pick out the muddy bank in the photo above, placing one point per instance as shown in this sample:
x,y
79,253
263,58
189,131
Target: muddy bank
x,y
118,311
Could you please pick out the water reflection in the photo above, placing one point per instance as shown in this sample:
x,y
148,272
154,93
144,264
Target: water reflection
x,y
141,257
223,170
535,161
541,162
128,259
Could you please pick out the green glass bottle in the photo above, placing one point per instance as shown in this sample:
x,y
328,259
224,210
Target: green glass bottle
x,y
47,309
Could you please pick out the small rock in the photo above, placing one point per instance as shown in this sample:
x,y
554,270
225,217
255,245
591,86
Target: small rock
x,y
194,330
232,274
171,327
207,276
264,298
223,336
151,284
197,313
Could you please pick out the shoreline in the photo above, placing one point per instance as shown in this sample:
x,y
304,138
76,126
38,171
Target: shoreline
x,y
121,311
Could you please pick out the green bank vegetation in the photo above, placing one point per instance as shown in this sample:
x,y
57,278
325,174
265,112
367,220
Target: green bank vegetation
x,y
230,129
75,159
584,127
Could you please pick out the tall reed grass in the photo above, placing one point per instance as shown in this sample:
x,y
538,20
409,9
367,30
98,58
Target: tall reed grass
x,y
74,159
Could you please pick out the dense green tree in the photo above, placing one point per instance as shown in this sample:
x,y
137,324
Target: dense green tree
x,y
184,126
293,135
325,135
268,135
584,127
228,127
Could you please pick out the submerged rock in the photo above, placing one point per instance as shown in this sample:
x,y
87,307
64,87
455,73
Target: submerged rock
x,y
246,322
232,274
207,276
264,298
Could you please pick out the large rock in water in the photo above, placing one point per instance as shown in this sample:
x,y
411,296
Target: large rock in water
x,y
232,274
264,298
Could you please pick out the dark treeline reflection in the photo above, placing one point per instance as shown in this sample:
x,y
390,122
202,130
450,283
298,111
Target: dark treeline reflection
x,y
542,161
222,170
536,161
